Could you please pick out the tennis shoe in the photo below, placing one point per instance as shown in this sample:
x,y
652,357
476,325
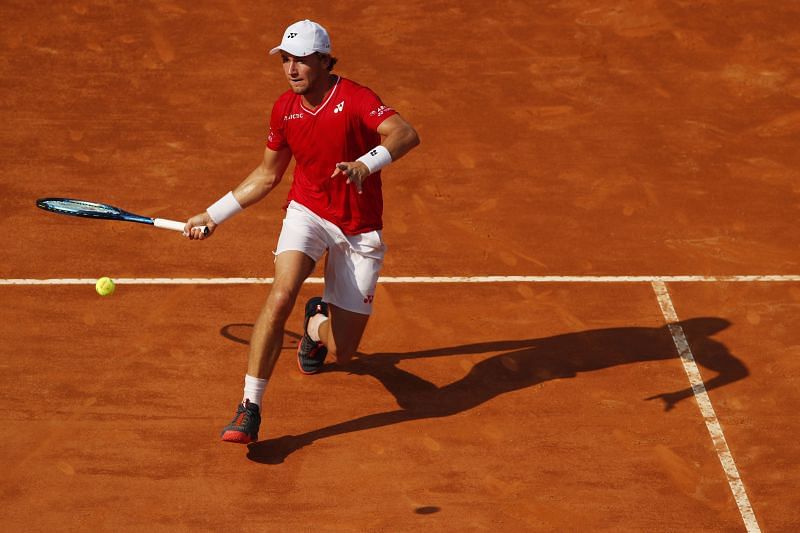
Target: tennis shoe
x,y
310,353
244,426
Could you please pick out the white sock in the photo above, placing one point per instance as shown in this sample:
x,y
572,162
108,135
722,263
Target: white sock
x,y
254,389
313,326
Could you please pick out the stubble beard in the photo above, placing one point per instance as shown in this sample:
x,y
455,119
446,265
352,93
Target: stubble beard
x,y
300,89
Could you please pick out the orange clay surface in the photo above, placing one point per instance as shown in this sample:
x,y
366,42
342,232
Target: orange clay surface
x,y
558,138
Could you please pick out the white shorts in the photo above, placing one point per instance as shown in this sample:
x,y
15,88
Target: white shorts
x,y
354,261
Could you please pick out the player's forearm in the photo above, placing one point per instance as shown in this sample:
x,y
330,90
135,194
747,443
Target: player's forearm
x,y
256,186
400,141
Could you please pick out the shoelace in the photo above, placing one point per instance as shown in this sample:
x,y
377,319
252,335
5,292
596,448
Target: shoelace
x,y
243,416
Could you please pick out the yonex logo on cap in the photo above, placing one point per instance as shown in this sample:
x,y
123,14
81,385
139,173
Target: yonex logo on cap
x,y
291,36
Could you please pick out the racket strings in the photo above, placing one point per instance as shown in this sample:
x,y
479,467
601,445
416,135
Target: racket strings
x,y
79,207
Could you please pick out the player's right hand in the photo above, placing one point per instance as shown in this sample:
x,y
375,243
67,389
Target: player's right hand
x,y
193,228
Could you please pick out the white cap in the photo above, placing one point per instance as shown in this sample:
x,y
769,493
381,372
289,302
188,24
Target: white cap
x,y
303,38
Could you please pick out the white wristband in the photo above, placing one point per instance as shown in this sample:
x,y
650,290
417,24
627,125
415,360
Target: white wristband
x,y
376,159
224,208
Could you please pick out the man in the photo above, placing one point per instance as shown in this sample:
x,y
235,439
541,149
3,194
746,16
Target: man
x,y
340,135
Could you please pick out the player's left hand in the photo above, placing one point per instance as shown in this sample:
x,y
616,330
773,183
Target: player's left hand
x,y
355,171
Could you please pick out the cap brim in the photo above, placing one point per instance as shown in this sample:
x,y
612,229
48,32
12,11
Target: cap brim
x,y
296,53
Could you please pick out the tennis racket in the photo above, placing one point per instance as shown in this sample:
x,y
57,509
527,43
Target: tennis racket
x,y
82,208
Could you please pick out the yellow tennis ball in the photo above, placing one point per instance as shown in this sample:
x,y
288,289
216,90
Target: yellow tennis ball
x,y
105,286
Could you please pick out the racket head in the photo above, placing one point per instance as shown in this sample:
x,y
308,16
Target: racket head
x,y
83,208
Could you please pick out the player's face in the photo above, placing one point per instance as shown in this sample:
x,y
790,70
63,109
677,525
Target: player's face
x,y
303,73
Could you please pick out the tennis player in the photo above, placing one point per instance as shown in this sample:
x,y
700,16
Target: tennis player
x,y
341,135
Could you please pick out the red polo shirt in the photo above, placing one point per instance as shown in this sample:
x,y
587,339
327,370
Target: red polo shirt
x,y
342,128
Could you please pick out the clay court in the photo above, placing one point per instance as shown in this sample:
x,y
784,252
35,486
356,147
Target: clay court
x,y
587,316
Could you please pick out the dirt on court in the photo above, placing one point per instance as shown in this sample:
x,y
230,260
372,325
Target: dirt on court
x,y
568,138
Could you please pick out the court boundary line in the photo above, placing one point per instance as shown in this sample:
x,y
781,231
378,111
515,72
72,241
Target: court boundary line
x,y
657,283
423,279
706,408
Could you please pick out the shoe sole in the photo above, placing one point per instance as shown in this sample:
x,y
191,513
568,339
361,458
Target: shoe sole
x,y
237,437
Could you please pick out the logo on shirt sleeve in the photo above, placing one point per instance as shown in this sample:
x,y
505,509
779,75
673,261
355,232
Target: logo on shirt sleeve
x,y
380,111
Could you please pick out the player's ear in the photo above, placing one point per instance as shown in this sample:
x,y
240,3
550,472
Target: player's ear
x,y
325,59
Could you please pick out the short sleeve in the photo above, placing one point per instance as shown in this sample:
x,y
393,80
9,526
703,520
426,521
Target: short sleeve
x,y
372,109
276,140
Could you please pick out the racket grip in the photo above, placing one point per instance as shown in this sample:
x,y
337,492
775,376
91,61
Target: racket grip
x,y
173,225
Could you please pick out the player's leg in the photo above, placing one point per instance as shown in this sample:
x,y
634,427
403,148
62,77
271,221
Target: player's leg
x,y
342,333
351,275
299,247
291,270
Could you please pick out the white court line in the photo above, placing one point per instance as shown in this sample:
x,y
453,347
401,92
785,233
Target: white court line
x,y
657,282
706,409
419,279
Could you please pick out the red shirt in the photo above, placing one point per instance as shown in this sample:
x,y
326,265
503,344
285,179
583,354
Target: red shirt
x,y
342,128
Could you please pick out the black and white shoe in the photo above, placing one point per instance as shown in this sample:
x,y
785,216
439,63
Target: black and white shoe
x,y
310,353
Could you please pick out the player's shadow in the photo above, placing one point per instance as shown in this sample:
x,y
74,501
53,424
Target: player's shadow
x,y
521,364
